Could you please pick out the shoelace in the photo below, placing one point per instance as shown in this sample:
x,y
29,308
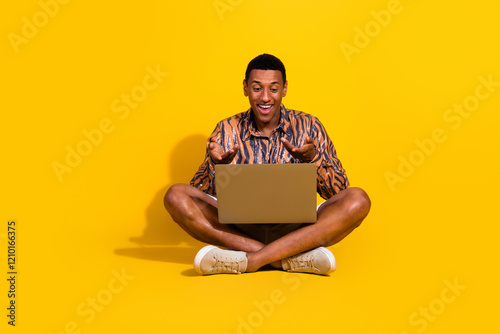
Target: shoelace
x,y
224,264
302,263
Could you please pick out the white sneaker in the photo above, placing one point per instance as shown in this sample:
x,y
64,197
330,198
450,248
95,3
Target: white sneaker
x,y
213,260
316,261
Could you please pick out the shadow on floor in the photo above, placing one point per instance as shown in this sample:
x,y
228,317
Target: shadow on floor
x,y
163,254
162,239
192,273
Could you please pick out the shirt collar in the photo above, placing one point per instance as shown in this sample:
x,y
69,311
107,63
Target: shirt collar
x,y
250,129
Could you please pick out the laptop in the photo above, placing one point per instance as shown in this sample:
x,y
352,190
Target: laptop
x,y
266,193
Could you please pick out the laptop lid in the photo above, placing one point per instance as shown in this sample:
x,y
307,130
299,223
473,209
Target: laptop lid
x,y
266,193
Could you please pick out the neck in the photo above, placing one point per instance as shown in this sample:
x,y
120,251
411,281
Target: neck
x,y
266,128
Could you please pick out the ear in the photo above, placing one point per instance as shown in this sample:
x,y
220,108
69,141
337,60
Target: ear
x,y
245,87
285,87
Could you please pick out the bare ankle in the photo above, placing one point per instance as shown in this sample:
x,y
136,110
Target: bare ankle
x,y
276,264
252,263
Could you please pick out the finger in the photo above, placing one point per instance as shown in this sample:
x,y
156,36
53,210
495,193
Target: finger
x,y
289,147
228,156
214,152
214,145
225,155
233,152
305,148
231,156
229,153
215,148
235,148
302,150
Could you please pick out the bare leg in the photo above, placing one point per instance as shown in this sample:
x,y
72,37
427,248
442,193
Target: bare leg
x,y
196,213
337,217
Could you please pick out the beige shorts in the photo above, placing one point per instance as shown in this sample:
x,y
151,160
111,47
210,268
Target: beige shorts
x,y
267,233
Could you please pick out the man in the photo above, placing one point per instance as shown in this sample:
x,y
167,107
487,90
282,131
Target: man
x,y
268,133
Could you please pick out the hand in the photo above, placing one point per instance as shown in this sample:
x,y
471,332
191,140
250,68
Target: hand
x,y
217,153
304,153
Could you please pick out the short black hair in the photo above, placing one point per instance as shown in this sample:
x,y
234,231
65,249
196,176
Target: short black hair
x,y
266,61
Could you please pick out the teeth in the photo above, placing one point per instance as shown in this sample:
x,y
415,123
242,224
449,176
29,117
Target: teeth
x,y
265,107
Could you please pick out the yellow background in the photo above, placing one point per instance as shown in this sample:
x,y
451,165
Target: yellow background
x,y
106,216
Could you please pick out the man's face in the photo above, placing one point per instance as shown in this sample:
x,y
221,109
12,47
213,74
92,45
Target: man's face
x,y
265,89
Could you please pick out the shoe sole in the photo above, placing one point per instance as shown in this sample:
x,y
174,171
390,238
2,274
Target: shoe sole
x,y
201,253
331,258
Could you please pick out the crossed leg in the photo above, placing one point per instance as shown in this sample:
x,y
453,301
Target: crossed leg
x,y
196,213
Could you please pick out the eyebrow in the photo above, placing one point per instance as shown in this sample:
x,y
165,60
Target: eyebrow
x,y
272,83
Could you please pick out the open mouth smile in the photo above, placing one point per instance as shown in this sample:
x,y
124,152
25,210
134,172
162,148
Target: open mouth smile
x,y
265,109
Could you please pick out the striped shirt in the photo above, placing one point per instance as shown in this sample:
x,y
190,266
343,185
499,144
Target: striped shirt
x,y
258,149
